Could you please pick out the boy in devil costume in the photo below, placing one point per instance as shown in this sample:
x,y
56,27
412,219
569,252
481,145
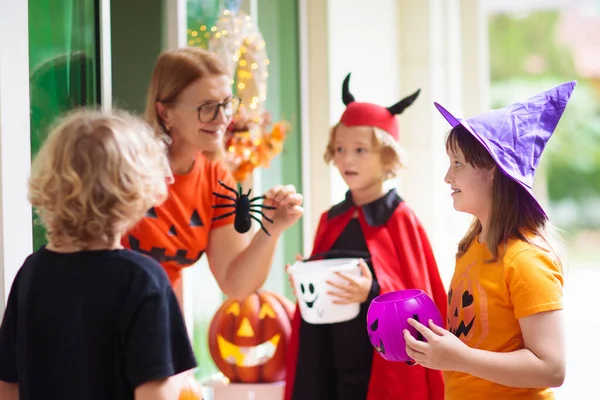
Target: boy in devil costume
x,y
337,361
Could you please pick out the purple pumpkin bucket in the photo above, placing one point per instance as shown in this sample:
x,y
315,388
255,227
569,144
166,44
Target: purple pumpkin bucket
x,y
387,318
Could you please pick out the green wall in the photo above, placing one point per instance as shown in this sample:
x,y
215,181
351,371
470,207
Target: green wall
x,y
136,41
278,22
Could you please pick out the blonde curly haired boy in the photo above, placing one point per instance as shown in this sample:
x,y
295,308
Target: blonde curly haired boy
x,y
86,318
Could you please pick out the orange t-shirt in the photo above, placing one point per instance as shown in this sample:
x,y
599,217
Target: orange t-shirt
x,y
486,301
176,233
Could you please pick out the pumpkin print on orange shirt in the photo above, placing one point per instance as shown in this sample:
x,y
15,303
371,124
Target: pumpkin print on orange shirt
x,y
468,309
176,233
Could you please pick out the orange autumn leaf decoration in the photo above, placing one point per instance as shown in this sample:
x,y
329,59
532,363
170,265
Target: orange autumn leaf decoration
x,y
252,142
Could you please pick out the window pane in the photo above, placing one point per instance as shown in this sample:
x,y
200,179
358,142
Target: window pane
x,y
63,64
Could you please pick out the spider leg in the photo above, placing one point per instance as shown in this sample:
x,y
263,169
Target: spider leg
x,y
222,196
261,225
237,194
262,206
256,198
223,216
261,213
223,205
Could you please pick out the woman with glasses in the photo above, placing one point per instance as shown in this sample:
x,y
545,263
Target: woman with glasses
x,y
190,103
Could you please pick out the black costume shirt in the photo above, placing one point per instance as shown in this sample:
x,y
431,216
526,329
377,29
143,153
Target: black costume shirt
x,y
91,325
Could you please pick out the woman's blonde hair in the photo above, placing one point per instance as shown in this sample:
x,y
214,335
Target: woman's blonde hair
x,y
514,211
175,70
393,157
96,175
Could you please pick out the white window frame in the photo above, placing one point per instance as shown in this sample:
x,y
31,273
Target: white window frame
x,y
15,161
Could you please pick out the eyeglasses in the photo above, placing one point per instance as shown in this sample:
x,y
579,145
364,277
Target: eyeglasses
x,y
209,112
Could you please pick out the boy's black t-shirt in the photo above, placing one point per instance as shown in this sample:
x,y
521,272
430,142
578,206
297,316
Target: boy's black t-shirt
x,y
91,325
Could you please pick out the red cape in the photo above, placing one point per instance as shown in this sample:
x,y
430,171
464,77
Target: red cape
x,y
402,258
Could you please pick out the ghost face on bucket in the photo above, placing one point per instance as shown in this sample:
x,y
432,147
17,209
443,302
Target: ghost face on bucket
x,y
310,294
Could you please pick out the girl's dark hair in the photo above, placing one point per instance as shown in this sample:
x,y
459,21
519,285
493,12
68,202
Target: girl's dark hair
x,y
514,211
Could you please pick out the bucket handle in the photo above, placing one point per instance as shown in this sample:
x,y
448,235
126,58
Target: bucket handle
x,y
339,254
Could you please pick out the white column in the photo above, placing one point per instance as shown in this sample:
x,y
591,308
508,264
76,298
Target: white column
x,y
250,7
430,58
475,67
105,56
449,61
15,161
176,24
315,101
475,57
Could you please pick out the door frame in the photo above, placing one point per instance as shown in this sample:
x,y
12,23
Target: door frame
x,y
15,158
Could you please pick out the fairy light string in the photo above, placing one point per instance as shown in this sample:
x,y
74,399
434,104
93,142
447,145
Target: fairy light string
x,y
252,139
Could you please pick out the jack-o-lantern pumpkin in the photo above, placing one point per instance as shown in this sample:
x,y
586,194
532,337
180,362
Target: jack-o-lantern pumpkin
x,y
467,309
248,339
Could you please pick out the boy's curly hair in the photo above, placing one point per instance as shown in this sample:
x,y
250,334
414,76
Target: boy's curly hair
x,y
392,154
96,175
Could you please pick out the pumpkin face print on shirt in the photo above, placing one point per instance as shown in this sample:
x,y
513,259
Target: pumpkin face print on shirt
x,y
169,253
467,315
176,233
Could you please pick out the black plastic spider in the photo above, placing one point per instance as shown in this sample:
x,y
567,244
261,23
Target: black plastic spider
x,y
244,206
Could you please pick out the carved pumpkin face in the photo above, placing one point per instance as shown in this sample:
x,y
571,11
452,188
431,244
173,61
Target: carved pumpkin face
x,y
467,310
375,337
248,339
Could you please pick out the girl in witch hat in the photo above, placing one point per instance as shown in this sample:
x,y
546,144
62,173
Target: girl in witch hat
x,y
504,337
337,361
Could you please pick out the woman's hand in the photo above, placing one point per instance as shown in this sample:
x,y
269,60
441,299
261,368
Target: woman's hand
x,y
288,210
442,350
355,290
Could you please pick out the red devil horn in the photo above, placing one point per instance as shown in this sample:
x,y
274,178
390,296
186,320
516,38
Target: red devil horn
x,y
347,97
402,104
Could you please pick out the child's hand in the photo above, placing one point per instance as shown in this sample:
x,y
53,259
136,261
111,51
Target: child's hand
x,y
355,290
291,279
442,351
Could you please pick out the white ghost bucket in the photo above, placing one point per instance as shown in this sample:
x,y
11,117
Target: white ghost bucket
x,y
316,305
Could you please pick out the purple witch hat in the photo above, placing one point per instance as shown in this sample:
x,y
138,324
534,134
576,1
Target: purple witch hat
x,y
516,135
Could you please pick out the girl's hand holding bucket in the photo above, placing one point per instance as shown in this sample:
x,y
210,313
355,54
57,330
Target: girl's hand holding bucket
x,y
441,349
